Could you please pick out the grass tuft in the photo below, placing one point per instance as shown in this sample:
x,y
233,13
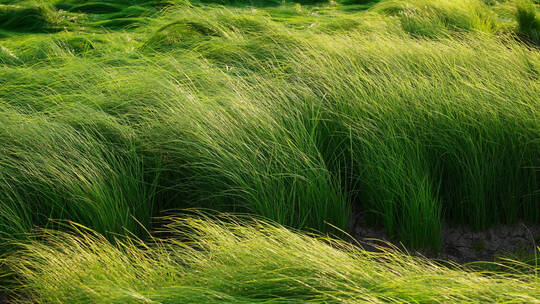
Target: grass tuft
x,y
441,18
528,21
40,18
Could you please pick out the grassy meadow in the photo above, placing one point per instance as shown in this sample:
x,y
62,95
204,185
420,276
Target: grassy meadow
x,y
115,114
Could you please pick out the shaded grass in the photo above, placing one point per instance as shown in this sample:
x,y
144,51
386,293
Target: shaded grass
x,y
40,18
528,21
524,260
97,7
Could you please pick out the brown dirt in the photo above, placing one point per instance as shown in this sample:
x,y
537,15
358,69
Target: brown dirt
x,y
460,244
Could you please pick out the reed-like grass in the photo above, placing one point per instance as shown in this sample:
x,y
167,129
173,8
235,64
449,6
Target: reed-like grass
x,y
298,114
39,17
528,21
238,260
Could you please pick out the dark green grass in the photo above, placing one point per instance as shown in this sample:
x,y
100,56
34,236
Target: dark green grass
x,y
96,7
528,21
28,19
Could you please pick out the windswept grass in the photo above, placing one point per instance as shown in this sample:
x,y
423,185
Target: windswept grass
x,y
232,260
52,170
38,18
433,19
528,21
412,112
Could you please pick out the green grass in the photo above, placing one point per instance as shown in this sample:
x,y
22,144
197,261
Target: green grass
x,y
294,113
237,260
50,170
440,18
528,21
414,112
38,18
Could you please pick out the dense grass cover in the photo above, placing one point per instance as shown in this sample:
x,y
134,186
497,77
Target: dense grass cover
x,y
528,21
412,112
38,18
234,260
407,113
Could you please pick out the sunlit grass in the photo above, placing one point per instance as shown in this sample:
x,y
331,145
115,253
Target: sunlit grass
x,y
297,121
237,260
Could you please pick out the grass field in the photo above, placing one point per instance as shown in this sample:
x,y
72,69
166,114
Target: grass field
x,y
413,112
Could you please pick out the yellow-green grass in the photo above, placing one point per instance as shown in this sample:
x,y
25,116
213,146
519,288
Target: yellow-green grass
x,y
228,259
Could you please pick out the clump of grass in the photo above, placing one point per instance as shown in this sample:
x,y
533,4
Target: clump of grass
x,y
528,21
53,170
227,259
267,165
37,18
440,18
423,159
180,33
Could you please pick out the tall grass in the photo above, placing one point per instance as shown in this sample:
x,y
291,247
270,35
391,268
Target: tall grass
x,y
51,170
237,260
37,18
528,21
299,120
439,18
437,129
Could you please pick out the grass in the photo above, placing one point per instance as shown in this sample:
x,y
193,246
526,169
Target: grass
x,y
234,260
39,18
528,21
435,19
233,110
69,174
413,112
